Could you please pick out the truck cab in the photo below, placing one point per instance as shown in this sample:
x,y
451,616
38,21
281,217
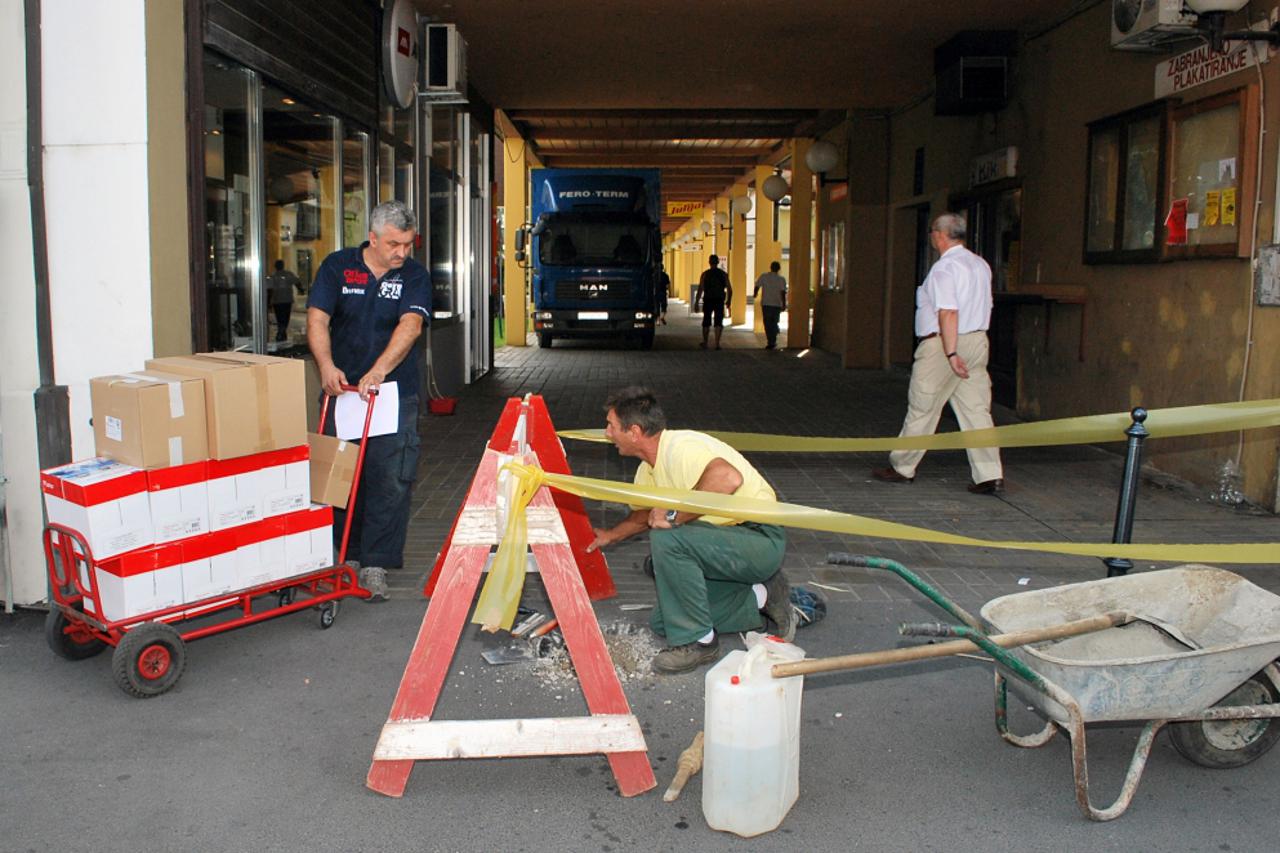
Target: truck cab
x,y
594,247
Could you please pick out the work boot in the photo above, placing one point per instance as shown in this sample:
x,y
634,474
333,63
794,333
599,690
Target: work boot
x,y
374,579
777,606
690,656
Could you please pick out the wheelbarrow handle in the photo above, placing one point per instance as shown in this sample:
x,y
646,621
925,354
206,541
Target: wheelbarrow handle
x,y
926,629
839,558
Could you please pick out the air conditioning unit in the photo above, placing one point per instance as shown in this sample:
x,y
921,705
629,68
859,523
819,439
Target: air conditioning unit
x,y
444,64
1150,25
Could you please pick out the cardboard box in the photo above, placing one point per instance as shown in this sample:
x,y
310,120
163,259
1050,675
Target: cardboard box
x,y
149,420
333,467
139,581
103,500
179,499
308,540
285,481
235,491
253,403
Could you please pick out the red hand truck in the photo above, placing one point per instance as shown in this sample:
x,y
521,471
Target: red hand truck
x,y
150,648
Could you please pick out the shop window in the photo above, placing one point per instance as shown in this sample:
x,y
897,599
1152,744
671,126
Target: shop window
x,y
228,204
1212,165
1124,185
443,226
833,268
300,173
355,188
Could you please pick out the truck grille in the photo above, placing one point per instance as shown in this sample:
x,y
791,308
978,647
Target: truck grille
x,y
592,291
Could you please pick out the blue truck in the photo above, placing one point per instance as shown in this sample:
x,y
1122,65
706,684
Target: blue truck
x,y
595,248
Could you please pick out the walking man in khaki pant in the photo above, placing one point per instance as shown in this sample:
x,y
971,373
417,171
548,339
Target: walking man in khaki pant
x,y
953,310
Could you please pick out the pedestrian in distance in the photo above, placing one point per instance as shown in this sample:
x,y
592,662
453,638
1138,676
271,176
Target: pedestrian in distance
x,y
664,290
953,311
712,574
366,311
771,296
280,287
717,299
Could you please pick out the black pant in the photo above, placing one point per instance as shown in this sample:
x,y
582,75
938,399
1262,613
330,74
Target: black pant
x,y
771,314
283,311
712,311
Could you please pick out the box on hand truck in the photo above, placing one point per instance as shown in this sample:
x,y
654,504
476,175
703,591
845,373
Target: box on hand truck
x,y
98,601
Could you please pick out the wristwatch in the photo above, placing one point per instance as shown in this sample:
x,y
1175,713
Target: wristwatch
x,y
671,516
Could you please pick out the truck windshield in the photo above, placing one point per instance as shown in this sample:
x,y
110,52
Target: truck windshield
x,y
580,242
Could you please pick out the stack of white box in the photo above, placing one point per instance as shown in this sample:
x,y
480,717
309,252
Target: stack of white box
x,y
182,533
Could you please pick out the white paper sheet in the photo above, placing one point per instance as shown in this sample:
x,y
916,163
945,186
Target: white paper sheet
x,y
350,410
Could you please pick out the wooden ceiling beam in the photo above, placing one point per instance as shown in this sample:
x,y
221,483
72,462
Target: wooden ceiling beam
x,y
622,159
686,115
659,132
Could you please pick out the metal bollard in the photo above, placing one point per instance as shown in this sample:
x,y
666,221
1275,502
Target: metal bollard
x,y
1117,566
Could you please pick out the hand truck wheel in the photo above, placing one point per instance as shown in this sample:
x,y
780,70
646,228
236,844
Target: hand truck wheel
x,y
328,613
285,596
70,638
149,659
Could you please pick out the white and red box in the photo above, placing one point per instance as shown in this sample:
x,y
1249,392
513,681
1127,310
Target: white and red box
x,y
235,491
179,498
104,501
139,581
209,565
260,552
308,540
285,480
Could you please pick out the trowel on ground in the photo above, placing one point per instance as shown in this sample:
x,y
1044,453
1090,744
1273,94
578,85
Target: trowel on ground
x,y
526,644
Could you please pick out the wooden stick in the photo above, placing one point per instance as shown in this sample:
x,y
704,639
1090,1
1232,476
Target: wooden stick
x,y
938,650
690,762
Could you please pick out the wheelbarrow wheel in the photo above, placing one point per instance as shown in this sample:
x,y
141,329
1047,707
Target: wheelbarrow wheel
x,y
70,638
149,659
1230,743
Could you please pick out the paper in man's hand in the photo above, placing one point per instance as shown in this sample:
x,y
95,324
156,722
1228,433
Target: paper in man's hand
x,y
350,410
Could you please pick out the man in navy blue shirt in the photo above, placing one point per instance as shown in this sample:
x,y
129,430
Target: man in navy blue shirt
x,y
366,310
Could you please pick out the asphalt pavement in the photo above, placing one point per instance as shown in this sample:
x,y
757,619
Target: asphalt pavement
x,y
265,742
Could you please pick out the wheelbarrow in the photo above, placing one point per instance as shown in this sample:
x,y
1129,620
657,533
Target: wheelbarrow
x,y
1191,648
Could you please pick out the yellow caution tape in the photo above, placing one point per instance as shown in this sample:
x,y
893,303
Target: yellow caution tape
x,y
808,518
500,596
1090,429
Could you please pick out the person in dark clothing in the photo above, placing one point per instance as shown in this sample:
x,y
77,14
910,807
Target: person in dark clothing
x,y
280,287
717,298
664,290
367,308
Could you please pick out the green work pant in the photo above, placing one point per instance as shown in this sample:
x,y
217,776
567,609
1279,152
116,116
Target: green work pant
x,y
704,574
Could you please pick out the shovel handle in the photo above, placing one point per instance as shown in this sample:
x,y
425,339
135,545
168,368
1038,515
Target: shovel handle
x,y
955,647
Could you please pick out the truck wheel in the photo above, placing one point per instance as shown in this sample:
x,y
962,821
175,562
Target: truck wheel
x,y
70,638
1230,743
544,340
149,659
646,339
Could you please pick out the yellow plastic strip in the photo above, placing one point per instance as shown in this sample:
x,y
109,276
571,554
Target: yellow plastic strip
x,y
500,597
808,518
1089,429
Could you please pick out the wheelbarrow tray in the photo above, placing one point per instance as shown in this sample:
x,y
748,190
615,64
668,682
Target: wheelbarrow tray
x,y
1138,671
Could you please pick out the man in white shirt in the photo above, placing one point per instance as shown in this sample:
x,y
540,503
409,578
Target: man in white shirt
x,y
953,310
771,296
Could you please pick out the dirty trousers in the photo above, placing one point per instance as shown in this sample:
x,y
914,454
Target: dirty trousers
x,y
704,574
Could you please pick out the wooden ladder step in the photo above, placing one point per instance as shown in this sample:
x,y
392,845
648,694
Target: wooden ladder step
x,y
423,740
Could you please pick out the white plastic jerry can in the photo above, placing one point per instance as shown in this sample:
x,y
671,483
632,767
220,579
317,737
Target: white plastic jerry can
x,y
751,750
